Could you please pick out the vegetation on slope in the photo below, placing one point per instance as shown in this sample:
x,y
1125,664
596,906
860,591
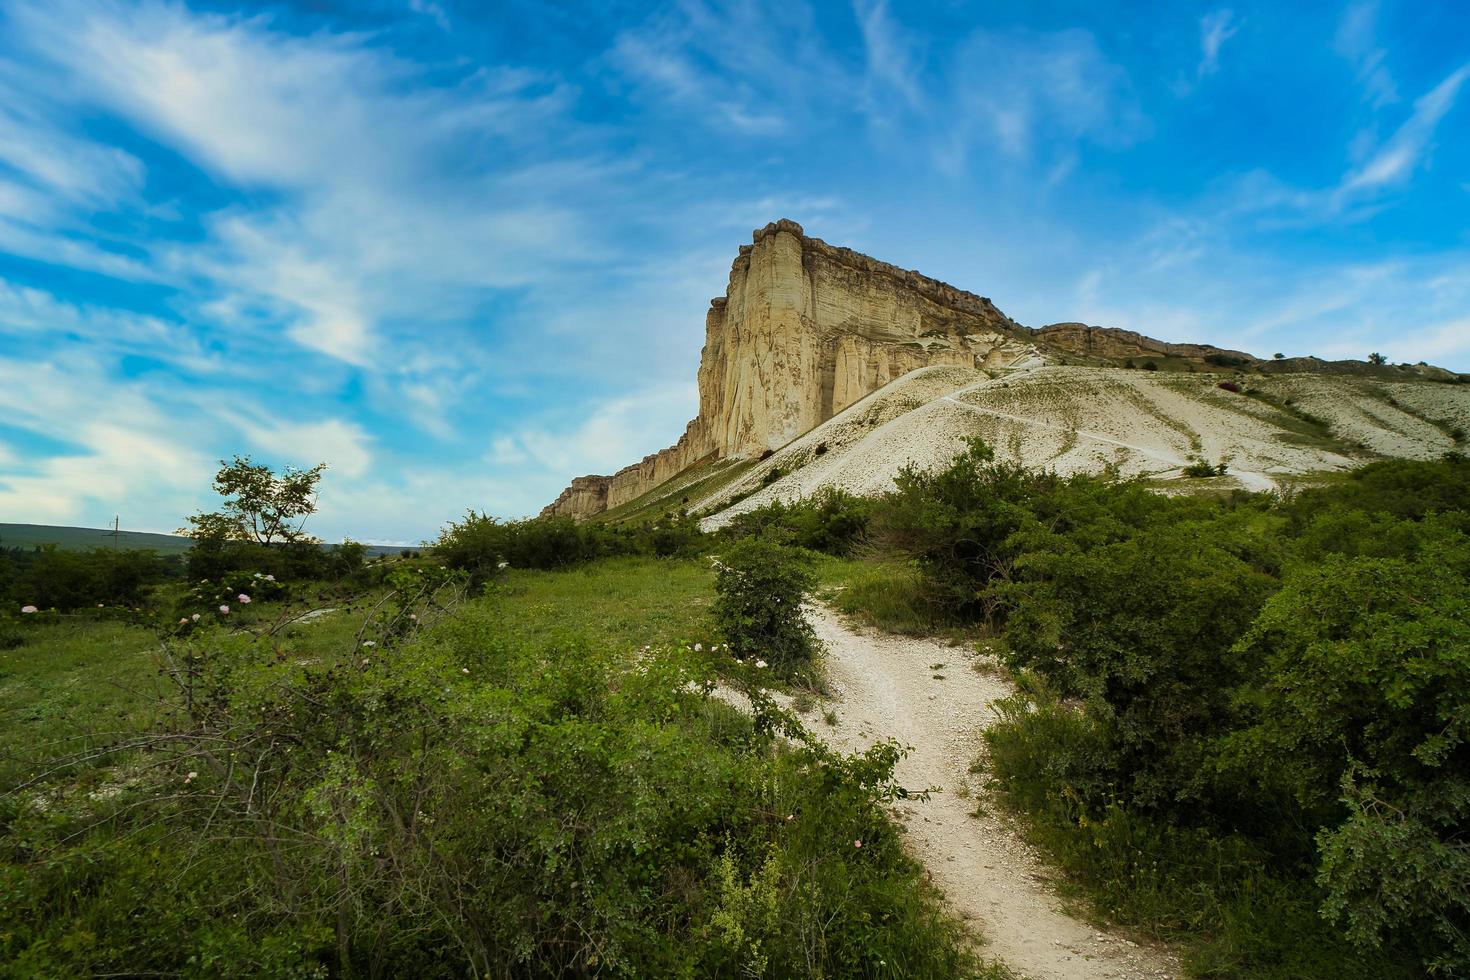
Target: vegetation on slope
x,y
1242,721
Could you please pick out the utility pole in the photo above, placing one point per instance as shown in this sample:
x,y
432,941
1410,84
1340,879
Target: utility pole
x,y
116,534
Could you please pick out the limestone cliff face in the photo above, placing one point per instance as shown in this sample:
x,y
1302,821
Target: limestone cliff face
x,y
804,330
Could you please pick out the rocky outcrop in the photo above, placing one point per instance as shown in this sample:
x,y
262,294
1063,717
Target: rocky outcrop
x,y
804,330
1112,344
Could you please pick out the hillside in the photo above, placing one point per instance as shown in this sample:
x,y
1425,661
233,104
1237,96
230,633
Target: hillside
x,y
82,538
822,366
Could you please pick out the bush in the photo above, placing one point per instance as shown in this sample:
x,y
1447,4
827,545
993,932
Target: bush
x,y
958,523
760,589
831,521
1203,468
1361,717
479,543
51,578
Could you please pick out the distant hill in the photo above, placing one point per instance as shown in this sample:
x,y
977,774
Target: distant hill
x,y
82,538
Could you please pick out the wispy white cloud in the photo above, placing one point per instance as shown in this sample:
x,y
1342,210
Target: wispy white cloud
x,y
1215,28
1396,160
1357,41
365,166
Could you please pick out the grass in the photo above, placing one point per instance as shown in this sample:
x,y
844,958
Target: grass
x,y
886,594
628,603
81,679
75,680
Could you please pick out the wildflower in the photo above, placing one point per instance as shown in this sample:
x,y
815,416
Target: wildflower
x,y
99,605
698,647
224,610
191,777
413,616
195,617
184,621
244,599
29,609
857,843
256,575
270,578
504,564
369,643
464,670
790,817
760,663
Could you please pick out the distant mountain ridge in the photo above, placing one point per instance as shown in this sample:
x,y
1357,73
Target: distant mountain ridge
x,y
82,538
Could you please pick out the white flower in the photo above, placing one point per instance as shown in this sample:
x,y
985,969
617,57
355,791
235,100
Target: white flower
x,y
191,777
698,647
504,564
369,643
256,575
224,610
195,617
28,609
760,663
270,578
464,670
413,616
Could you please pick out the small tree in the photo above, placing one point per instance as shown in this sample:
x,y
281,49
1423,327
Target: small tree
x,y
1377,358
260,505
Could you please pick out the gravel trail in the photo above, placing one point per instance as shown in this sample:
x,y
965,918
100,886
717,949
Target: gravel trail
x,y
886,686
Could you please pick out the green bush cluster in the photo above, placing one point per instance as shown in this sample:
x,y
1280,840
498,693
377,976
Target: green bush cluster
x,y
463,804
295,561
760,588
48,577
481,544
1281,681
831,521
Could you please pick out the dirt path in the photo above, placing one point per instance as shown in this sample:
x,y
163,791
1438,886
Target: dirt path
x,y
885,686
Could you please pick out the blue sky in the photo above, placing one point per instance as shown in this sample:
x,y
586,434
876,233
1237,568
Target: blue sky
x,y
462,252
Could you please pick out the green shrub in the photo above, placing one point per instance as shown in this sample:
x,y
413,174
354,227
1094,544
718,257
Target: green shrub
x,y
52,578
831,521
1203,468
957,522
1361,716
760,589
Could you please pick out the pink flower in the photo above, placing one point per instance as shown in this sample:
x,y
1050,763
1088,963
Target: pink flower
x,y
184,621
29,609
244,599
857,843
224,610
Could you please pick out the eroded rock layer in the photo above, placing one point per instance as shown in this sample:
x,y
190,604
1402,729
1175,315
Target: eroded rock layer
x,y
804,330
